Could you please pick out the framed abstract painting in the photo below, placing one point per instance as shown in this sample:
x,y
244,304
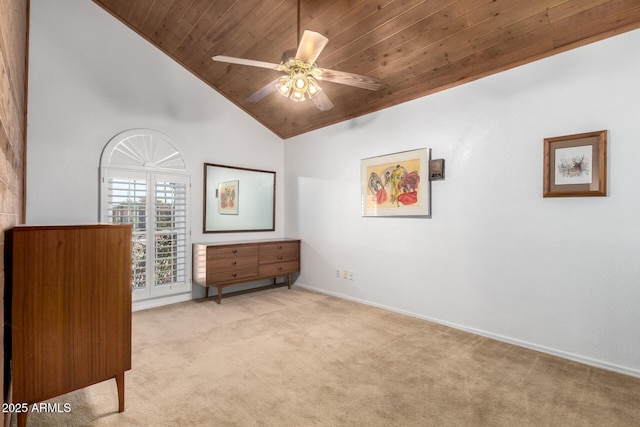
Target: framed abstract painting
x,y
396,184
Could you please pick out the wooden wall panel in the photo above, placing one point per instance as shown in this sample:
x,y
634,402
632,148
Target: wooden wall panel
x,y
13,63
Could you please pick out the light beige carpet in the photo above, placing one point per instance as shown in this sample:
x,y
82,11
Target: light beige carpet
x,y
298,358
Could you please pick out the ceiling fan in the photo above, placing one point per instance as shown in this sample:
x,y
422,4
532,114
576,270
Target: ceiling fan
x,y
302,73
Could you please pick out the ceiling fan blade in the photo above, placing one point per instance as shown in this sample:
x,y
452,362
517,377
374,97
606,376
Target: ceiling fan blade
x,y
310,46
266,90
350,79
322,101
242,61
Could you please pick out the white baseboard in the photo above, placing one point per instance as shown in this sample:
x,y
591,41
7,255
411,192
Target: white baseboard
x,y
160,301
552,351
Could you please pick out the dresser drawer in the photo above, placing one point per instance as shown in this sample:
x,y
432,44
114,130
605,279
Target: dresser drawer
x,y
232,263
221,276
278,252
279,268
231,251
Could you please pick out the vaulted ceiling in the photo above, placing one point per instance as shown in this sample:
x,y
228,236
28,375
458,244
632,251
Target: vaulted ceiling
x,y
414,47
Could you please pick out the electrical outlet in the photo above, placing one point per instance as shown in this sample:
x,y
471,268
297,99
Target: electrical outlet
x,y
338,272
350,274
345,274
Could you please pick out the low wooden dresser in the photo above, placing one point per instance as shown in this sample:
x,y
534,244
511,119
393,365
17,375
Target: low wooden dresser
x,y
225,264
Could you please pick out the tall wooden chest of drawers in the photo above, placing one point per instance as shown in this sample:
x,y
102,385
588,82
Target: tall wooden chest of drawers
x,y
227,264
71,309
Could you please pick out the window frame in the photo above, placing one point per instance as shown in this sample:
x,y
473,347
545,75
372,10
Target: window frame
x,y
145,169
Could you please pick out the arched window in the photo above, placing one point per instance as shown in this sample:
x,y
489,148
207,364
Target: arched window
x,y
144,182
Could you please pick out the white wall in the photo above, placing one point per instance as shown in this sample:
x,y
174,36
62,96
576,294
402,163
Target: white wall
x,y
561,275
90,78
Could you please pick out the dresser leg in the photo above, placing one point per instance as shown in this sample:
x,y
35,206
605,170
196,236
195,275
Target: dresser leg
x,y
289,281
120,385
206,292
219,294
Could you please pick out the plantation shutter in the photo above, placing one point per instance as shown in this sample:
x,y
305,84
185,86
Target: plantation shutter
x,y
170,231
127,204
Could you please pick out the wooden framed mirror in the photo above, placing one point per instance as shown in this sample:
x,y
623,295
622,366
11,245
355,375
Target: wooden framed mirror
x,y
238,199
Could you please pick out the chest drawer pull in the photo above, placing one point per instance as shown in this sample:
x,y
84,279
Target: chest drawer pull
x,y
234,262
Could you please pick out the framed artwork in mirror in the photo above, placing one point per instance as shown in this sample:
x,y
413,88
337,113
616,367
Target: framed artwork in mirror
x,y
575,165
228,196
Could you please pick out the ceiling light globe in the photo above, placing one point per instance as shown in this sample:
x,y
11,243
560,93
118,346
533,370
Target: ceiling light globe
x,y
312,87
300,82
297,95
284,86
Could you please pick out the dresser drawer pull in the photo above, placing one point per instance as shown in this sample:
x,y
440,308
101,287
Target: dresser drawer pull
x,y
234,262
279,246
234,274
280,257
235,251
279,268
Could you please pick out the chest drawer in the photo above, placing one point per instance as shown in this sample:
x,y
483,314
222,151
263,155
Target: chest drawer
x,y
279,252
231,251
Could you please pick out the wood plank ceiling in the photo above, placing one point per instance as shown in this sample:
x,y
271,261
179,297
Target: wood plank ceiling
x,y
415,47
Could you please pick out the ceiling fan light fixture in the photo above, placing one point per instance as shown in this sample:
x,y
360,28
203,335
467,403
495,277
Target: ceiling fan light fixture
x,y
297,95
284,86
300,82
313,88
298,86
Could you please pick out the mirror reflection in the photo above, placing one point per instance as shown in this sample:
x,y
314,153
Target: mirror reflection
x,y
238,199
